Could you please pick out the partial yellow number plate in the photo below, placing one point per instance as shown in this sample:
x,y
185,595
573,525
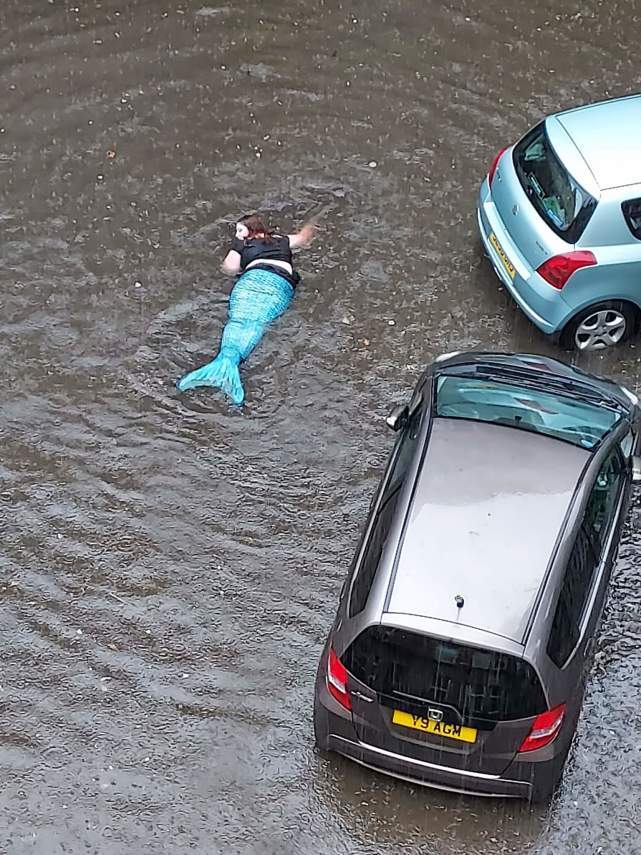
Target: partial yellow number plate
x,y
439,728
511,270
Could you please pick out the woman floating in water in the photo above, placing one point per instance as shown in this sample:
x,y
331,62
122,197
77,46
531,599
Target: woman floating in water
x,y
262,292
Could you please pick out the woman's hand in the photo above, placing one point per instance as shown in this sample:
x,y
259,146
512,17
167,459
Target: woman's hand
x,y
303,237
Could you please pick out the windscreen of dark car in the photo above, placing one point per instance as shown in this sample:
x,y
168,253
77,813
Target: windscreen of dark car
x,y
581,422
483,686
564,205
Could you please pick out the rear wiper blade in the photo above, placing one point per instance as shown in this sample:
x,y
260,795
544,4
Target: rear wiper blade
x,y
534,185
557,383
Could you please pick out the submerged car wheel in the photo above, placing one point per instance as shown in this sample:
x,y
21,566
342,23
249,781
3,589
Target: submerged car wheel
x,y
600,326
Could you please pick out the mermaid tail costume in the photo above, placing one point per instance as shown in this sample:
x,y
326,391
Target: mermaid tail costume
x,y
258,298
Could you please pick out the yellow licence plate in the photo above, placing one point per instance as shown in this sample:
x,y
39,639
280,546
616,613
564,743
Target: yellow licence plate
x,y
439,728
511,270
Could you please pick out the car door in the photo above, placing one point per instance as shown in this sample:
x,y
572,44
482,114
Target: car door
x,y
383,506
587,573
585,581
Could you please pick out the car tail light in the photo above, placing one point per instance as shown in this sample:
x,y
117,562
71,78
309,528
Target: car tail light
x,y
558,269
495,163
545,729
337,680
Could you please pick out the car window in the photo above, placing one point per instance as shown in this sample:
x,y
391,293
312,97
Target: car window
x,y
632,214
603,499
564,205
584,559
371,556
580,422
576,584
407,669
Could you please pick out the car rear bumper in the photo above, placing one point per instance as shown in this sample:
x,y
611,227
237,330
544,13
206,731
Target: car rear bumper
x,y
429,774
542,304
335,732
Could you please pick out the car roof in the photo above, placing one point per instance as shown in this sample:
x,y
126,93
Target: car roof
x,y
487,509
608,135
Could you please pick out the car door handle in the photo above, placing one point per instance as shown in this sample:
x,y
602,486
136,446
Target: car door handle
x,y
363,697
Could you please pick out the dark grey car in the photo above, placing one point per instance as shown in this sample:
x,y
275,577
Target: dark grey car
x,y
464,630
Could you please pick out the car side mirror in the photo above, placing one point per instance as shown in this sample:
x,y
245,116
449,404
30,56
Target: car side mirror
x,y
636,470
398,417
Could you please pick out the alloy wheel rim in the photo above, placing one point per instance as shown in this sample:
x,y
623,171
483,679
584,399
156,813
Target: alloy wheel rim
x,y
599,330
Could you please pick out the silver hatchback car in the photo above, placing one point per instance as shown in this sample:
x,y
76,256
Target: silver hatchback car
x,y
459,651
560,217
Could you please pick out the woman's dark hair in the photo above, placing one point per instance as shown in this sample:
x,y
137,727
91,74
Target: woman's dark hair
x,y
255,226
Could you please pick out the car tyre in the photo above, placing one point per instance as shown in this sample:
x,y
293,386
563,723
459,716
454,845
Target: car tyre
x,y
600,326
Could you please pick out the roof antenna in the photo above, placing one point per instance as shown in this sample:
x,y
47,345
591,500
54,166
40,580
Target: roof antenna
x,y
460,602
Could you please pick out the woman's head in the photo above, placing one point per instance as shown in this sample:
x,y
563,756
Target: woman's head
x,y
251,226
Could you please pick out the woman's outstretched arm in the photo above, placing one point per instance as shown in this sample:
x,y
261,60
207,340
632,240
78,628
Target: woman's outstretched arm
x,y
303,237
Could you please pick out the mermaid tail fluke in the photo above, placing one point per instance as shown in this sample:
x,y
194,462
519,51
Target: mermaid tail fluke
x,y
259,296
221,372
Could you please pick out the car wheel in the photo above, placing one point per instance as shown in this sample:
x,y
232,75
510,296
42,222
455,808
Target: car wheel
x,y
600,326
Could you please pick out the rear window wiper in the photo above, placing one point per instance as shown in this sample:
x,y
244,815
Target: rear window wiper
x,y
551,383
533,184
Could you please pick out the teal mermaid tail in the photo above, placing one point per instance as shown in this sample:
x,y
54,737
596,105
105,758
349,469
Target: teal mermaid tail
x,y
258,298
222,372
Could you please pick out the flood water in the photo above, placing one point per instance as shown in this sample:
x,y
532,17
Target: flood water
x,y
170,565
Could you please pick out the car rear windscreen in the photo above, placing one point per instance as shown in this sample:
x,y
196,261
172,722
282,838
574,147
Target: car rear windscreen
x,y
481,685
564,205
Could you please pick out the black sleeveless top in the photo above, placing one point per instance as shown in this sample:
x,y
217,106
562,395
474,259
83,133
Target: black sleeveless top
x,y
267,249
276,248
